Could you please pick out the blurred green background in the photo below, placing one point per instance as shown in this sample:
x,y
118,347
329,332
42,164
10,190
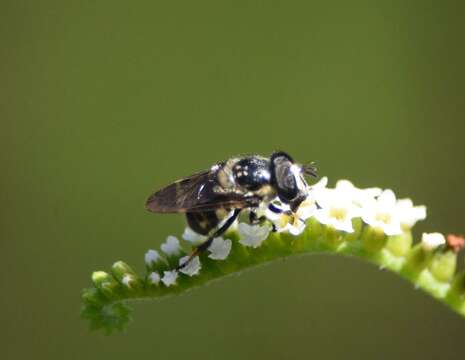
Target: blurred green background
x,y
103,102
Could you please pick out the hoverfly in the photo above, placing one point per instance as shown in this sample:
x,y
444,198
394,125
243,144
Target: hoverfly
x,y
213,199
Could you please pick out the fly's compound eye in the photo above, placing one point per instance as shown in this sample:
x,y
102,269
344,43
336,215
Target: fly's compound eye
x,y
284,178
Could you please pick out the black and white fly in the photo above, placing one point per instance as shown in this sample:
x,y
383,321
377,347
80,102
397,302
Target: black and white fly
x,y
213,199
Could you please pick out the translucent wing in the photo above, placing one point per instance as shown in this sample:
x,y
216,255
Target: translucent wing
x,y
198,192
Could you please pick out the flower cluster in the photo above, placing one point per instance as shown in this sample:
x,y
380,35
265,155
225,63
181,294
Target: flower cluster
x,y
333,207
338,207
218,250
369,223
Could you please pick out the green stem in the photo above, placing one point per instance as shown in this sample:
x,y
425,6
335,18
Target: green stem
x,y
105,304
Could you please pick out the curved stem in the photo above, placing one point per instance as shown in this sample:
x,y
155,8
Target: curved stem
x,y
105,304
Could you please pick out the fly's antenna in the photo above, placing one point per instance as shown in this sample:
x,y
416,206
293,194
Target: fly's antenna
x,y
310,169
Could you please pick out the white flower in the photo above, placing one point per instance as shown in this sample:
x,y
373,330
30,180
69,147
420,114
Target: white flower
x,y
410,214
337,206
169,277
430,241
191,236
127,280
220,248
154,278
192,268
320,185
262,209
171,246
280,217
292,222
151,257
338,215
358,196
253,235
382,213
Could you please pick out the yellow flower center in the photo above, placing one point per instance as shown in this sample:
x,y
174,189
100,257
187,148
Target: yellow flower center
x,y
285,219
383,217
338,213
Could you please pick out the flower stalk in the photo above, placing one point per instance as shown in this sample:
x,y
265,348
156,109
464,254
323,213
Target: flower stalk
x,y
368,224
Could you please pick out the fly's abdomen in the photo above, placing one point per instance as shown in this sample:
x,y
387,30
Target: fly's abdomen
x,y
202,222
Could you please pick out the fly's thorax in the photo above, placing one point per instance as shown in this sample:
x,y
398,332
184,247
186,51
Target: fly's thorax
x,y
266,193
263,178
251,173
225,176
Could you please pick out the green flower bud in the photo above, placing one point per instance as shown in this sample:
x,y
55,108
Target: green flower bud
x,y
443,265
313,231
417,259
93,297
332,236
366,223
357,224
399,245
456,295
106,284
125,275
373,239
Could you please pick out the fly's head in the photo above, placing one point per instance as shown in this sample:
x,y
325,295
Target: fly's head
x,y
289,179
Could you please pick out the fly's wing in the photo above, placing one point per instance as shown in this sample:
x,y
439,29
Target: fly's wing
x,y
196,193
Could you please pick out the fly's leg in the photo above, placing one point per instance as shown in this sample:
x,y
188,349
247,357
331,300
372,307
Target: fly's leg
x,y
278,210
206,244
254,219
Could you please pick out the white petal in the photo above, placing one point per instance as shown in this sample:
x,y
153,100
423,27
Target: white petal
x,y
306,210
354,212
368,216
169,277
297,228
346,191
219,249
387,198
154,278
192,268
280,220
419,212
404,203
253,235
322,216
345,185
321,184
191,236
410,214
127,280
324,197
431,241
345,225
171,246
372,192
392,228
272,216
151,257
